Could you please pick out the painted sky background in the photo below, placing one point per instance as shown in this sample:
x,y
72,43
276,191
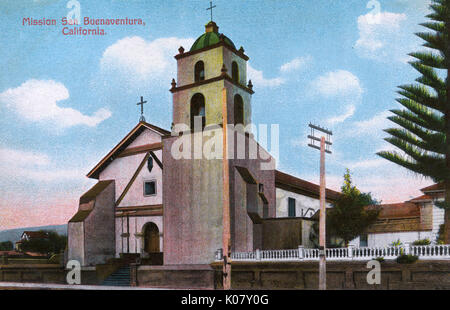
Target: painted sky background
x,y
65,101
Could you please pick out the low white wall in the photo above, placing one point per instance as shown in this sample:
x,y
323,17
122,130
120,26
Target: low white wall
x,y
386,239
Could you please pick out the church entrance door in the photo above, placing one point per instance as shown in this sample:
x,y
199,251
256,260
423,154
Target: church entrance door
x,y
151,238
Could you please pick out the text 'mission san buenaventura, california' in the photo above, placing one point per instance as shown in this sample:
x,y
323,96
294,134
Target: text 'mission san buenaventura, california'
x,y
72,27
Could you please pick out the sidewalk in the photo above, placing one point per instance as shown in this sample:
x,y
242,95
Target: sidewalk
x,y
47,286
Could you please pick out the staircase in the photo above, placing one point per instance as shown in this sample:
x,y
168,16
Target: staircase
x,y
120,277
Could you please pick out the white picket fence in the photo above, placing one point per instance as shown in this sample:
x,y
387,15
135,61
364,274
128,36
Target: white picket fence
x,y
438,251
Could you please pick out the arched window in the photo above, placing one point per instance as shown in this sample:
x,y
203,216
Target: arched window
x,y
199,71
198,110
238,110
235,72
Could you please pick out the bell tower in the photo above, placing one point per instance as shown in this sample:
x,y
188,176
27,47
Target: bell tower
x,y
211,64
212,203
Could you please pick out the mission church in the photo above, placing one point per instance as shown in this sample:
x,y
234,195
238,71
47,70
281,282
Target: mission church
x,y
160,209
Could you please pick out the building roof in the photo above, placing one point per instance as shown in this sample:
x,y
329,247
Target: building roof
x,y
422,198
438,187
211,37
122,145
296,185
398,217
94,191
398,210
84,211
35,234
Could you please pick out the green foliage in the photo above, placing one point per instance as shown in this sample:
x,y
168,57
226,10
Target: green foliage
x,y
424,130
54,244
407,259
380,259
422,242
396,243
55,259
440,236
349,216
6,246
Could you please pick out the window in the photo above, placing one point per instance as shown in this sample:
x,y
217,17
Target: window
x,y
291,207
261,188
149,188
238,110
198,110
235,72
363,241
199,71
150,163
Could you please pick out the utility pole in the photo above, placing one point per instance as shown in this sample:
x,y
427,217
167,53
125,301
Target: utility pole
x,y
325,143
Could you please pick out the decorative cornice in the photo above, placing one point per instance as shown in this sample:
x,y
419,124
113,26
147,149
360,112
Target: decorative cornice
x,y
220,43
141,149
135,208
214,79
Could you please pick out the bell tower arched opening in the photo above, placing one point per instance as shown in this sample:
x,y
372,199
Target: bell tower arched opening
x,y
198,110
238,110
199,71
235,72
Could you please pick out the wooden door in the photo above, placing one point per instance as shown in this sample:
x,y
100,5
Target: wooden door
x,y
151,238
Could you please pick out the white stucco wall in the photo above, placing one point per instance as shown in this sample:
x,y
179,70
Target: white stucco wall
x,y
122,169
136,226
301,203
438,220
76,242
386,239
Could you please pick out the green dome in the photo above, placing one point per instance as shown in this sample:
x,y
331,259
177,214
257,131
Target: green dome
x,y
210,37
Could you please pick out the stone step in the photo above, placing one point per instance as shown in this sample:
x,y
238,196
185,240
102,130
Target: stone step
x,y
121,277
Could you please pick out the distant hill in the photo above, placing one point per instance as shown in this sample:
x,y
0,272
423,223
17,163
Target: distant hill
x,y
14,235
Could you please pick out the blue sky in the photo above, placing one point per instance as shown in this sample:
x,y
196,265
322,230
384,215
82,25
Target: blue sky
x,y
65,101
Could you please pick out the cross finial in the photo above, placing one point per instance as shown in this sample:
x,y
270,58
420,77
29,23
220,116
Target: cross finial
x,y
141,103
210,8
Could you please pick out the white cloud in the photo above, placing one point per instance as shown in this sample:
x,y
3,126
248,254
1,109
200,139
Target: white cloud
x,y
37,100
337,83
20,164
297,63
141,60
22,158
259,80
369,163
350,110
373,125
382,36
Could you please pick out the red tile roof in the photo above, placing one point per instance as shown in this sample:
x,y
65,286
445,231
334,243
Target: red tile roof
x,y
35,234
433,188
421,198
398,210
294,184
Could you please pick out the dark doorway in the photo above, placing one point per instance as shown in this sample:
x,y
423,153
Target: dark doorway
x,y
151,238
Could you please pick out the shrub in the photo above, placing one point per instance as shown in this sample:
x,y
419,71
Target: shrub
x,y
380,259
422,242
440,236
396,243
407,259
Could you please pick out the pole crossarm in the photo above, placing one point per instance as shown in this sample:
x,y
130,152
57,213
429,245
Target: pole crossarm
x,y
318,139
321,129
317,147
